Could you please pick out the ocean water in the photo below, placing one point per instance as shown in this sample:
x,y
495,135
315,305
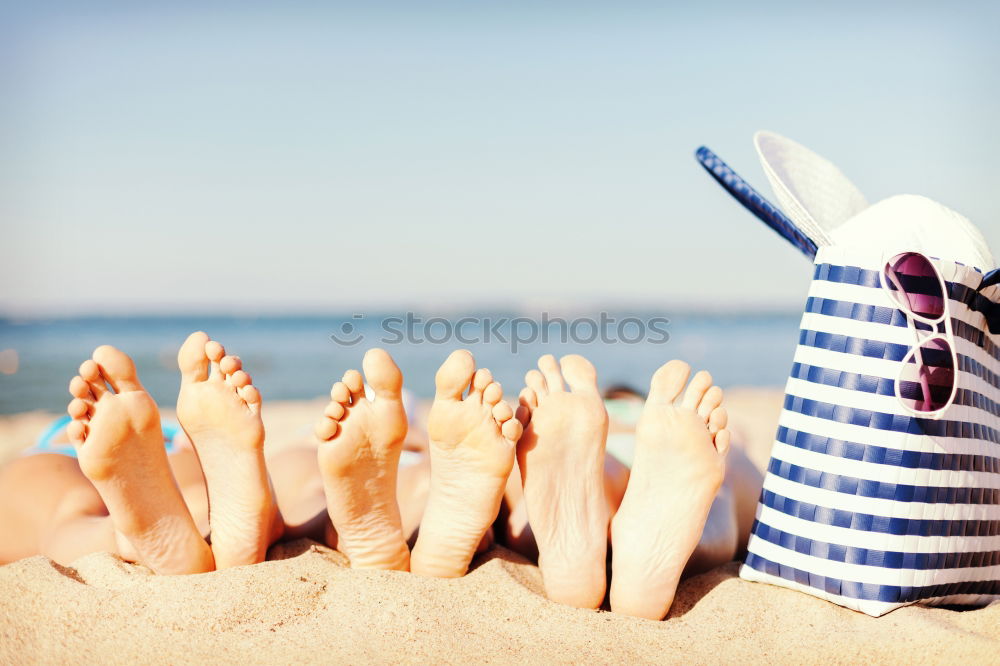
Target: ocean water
x,y
295,357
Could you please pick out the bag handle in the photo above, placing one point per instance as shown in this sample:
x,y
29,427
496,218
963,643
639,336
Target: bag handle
x,y
755,202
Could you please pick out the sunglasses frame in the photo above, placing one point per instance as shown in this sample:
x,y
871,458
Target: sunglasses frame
x,y
948,336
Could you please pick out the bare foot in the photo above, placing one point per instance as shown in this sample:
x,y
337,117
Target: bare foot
x,y
561,458
472,442
680,461
119,445
219,410
360,443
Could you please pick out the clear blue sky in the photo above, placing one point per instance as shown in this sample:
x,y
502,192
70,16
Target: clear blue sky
x,y
300,158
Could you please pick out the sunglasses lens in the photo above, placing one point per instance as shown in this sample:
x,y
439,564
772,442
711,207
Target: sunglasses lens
x,y
928,377
913,282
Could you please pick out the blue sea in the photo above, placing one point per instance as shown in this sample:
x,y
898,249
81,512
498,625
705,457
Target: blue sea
x,y
298,357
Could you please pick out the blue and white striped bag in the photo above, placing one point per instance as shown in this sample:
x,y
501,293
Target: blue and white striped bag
x,y
867,503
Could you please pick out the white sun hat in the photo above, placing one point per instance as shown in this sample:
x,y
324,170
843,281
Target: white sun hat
x,y
831,210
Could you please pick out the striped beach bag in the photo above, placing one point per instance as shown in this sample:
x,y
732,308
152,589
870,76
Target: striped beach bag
x,y
883,487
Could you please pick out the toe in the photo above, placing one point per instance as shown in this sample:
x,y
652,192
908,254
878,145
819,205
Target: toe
x,y
550,370
502,412
326,429
536,382
335,411
90,372
117,368
215,351
454,375
718,420
355,384
722,442
512,430
696,389
382,374
340,393
252,397
668,381
579,374
523,415
78,409
79,388
230,364
492,394
711,400
76,431
527,402
528,398
510,427
480,381
191,358
240,379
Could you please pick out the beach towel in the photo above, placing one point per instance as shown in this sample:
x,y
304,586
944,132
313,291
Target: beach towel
x,y
49,441
883,486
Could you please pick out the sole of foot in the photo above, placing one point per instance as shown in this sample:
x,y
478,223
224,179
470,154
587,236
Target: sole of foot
x,y
360,443
561,459
472,441
119,442
680,463
219,409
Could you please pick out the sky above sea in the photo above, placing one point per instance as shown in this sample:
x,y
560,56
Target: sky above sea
x,y
307,157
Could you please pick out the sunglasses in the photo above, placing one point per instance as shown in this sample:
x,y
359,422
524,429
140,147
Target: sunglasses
x,y
927,384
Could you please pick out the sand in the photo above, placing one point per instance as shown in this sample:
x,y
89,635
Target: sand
x,y
304,605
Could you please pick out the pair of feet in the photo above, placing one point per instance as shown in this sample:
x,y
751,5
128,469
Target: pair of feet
x,y
116,430
681,444
473,435
679,466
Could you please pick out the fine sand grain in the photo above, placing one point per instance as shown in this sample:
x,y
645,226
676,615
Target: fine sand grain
x,y
304,605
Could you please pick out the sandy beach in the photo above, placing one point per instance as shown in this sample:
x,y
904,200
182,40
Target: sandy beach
x,y
305,605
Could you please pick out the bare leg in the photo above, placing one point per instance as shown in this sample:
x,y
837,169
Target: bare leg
x,y
298,490
47,506
731,517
